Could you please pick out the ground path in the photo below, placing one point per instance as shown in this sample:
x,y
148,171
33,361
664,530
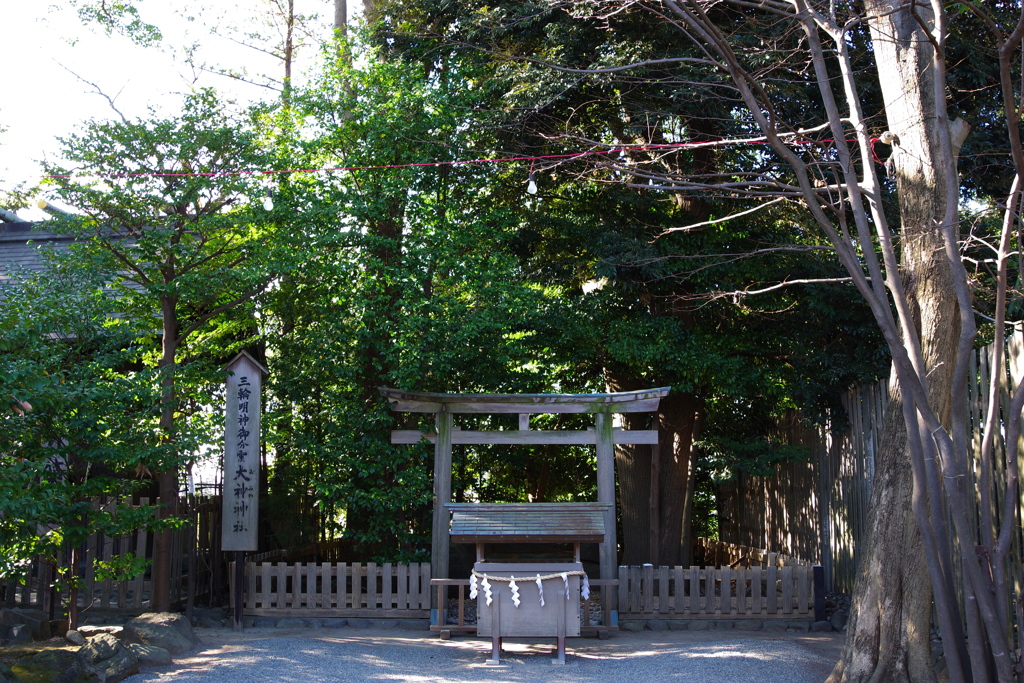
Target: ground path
x,y
311,656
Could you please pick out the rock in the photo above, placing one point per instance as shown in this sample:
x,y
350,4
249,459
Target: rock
x,y
37,620
724,625
20,633
384,624
822,627
677,626
749,625
151,656
58,627
90,631
631,625
839,619
700,625
359,623
6,675
57,666
657,625
111,657
263,622
166,630
290,623
775,625
799,626
75,638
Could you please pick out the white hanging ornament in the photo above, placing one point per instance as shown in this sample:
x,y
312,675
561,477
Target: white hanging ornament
x,y
487,590
515,590
540,589
585,591
472,587
565,582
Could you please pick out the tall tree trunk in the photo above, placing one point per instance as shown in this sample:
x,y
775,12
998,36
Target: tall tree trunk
x,y
167,479
677,418
633,476
644,504
888,634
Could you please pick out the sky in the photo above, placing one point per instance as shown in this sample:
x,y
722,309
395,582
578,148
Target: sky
x,y
41,99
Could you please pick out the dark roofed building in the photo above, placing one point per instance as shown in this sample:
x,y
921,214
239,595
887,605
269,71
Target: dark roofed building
x,y
22,244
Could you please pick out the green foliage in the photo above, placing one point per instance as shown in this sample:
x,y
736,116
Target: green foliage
x,y
118,16
76,423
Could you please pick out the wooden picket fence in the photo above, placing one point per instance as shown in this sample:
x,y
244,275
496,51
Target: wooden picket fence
x,y
785,592
336,589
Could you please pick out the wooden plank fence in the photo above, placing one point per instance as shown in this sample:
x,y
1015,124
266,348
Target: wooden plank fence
x,y
783,592
336,589
818,509
33,588
721,554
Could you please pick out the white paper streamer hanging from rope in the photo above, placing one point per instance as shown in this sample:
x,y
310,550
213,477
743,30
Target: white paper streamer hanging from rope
x,y
487,591
472,587
515,591
585,591
565,582
540,589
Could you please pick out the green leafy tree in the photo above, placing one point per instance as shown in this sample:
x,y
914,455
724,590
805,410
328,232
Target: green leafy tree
x,y
77,425
173,210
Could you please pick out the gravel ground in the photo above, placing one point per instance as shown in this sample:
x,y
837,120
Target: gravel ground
x,y
309,656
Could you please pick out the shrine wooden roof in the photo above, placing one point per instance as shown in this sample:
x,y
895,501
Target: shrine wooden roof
x,y
617,402
528,522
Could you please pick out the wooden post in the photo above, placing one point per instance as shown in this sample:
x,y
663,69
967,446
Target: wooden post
x,y
239,589
819,592
442,495
655,505
606,494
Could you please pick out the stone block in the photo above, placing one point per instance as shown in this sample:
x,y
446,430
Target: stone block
x,y
699,625
798,626
383,624
677,626
263,622
657,625
631,625
290,623
724,625
748,625
333,623
414,624
359,623
775,625
19,634
822,627
37,620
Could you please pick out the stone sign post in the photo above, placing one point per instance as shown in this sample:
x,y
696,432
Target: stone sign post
x,y
240,496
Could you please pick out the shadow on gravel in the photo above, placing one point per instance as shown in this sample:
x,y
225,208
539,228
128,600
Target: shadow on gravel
x,y
308,656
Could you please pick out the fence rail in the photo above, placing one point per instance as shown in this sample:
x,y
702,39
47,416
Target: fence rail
x,y
339,589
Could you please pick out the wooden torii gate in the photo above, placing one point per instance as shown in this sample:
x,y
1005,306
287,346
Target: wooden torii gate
x,y
604,436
